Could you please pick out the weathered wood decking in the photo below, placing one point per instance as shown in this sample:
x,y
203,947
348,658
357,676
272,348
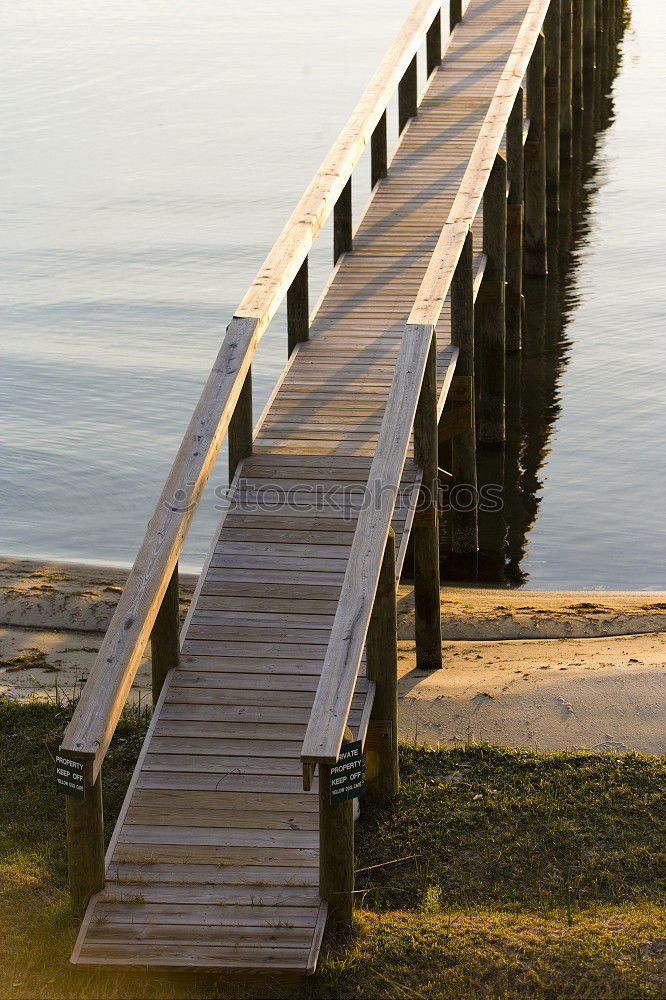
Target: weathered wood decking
x,y
214,860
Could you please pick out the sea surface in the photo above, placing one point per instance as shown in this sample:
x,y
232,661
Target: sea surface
x,y
151,153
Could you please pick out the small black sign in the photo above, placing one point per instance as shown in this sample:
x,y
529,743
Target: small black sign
x,y
347,772
70,776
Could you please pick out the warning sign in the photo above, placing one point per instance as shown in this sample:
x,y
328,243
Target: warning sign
x,y
70,777
347,773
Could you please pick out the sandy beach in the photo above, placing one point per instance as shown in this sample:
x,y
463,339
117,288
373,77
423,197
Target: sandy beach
x,y
550,669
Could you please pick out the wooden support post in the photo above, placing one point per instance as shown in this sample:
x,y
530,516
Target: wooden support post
x,y
164,638
600,40
552,33
342,222
577,57
240,427
535,165
490,333
612,25
434,43
407,95
492,518
382,668
336,852
455,13
514,224
566,80
85,842
425,532
378,152
589,35
464,522
298,308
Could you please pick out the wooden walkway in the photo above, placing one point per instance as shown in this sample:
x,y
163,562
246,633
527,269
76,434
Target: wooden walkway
x,y
214,861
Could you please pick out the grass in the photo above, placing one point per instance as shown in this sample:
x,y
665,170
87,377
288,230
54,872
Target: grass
x,y
526,875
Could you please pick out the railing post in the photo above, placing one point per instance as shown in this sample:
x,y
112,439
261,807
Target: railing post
x,y
535,165
378,152
425,532
577,48
298,309
407,95
239,434
514,224
612,25
382,668
336,852
610,35
566,80
164,644
85,842
589,35
455,13
464,523
599,33
552,31
342,222
434,43
489,311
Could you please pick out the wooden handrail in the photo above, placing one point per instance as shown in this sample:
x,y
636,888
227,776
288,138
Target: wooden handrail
x,y
96,715
332,701
330,709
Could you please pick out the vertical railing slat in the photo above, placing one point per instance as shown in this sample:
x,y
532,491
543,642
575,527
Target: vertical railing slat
x,y
342,223
490,333
464,523
298,309
382,668
425,530
164,638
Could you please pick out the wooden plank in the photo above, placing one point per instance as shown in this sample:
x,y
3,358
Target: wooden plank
x,y
192,836
228,819
234,895
222,746
290,875
197,956
179,935
204,915
229,854
205,792
232,771
187,777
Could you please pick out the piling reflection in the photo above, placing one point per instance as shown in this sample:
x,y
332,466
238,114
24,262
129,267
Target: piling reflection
x,y
533,376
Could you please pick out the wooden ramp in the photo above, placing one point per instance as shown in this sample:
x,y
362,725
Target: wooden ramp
x,y
214,860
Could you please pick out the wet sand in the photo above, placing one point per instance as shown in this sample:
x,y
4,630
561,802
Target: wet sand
x,y
546,669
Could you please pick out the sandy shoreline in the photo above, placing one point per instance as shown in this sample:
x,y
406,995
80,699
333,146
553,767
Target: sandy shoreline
x,y
547,669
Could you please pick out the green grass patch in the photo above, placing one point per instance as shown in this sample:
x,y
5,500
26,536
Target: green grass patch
x,y
535,876
515,828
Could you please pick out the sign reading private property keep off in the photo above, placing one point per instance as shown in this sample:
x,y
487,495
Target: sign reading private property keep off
x,y
70,777
347,772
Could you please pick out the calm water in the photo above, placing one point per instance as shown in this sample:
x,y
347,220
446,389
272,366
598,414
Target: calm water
x,y
151,154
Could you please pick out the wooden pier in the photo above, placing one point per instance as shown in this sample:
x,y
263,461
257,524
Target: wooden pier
x,y
228,852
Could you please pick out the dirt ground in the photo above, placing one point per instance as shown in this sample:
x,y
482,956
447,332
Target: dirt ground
x,y
546,669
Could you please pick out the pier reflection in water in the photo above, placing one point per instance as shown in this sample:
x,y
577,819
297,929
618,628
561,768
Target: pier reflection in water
x,y
534,374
